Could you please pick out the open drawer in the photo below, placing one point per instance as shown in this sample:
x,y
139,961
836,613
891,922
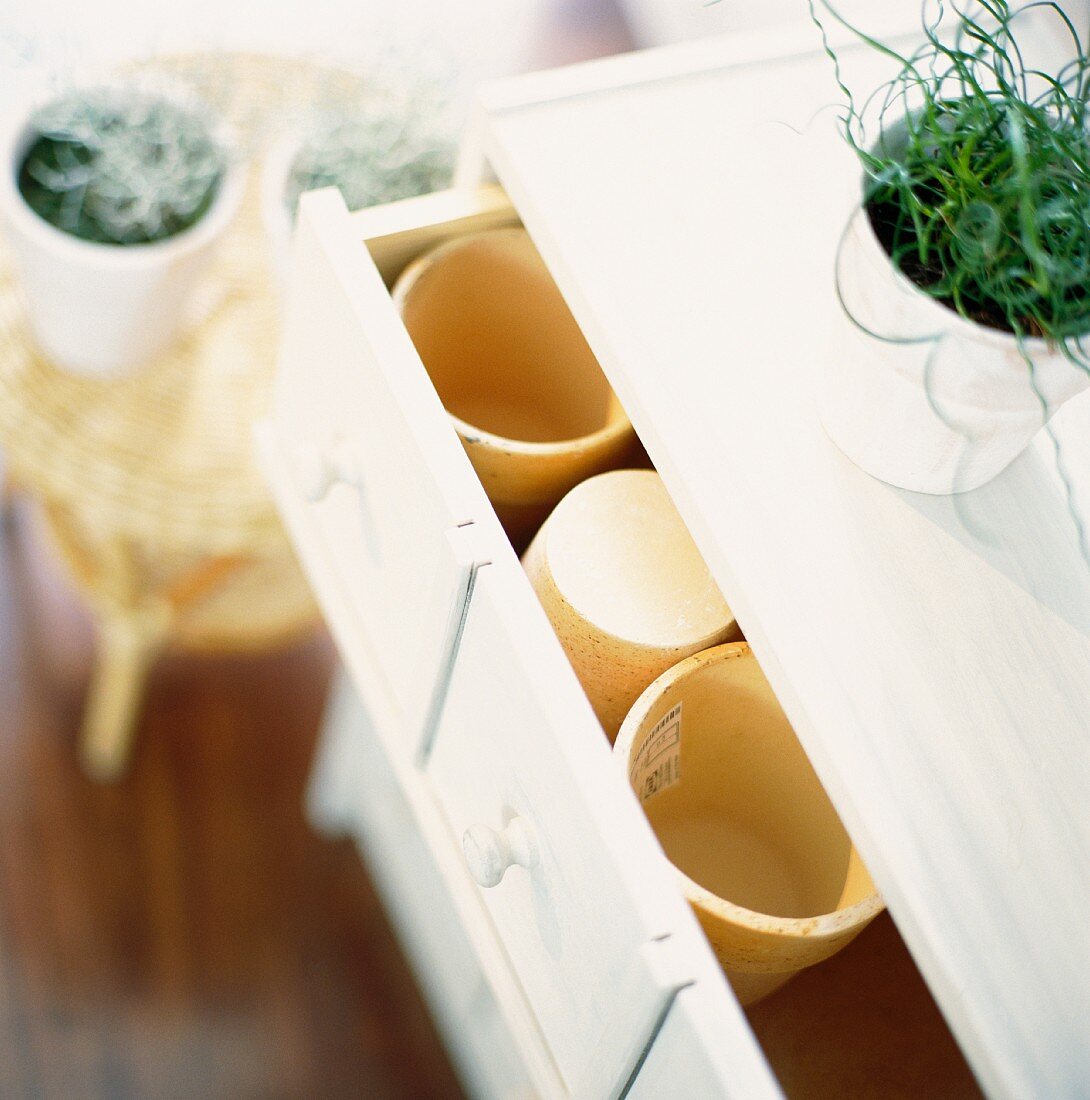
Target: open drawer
x,y
933,655
435,616
473,696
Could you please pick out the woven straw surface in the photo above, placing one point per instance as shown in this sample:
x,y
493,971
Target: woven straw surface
x,y
150,488
165,455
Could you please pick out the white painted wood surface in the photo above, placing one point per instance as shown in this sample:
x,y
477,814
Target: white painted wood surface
x,y
686,1059
516,733
933,653
657,22
354,802
355,784
388,510
576,922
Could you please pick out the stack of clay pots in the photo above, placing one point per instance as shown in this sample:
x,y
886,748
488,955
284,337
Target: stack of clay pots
x,y
755,842
756,845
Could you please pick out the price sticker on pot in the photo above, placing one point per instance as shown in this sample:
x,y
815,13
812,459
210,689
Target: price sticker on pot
x,y
657,765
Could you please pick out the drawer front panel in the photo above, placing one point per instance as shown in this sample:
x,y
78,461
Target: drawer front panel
x,y
412,566
375,496
484,1029
578,941
693,1056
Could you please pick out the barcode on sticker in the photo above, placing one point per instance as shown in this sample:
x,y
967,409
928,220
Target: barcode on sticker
x,y
657,765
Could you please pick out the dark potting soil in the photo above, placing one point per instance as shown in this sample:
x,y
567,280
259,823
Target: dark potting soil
x,y
884,218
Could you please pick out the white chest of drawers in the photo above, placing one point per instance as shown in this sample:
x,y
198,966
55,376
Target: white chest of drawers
x,y
932,654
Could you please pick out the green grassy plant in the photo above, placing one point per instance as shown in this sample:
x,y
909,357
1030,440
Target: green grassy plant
x,y
120,166
978,174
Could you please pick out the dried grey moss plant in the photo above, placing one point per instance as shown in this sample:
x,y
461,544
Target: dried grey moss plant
x,y
121,166
374,155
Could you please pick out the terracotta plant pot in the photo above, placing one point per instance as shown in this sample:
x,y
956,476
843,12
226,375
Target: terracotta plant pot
x,y
759,850
625,588
531,404
916,395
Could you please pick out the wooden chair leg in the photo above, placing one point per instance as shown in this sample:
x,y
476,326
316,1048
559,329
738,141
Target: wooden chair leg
x,y
127,646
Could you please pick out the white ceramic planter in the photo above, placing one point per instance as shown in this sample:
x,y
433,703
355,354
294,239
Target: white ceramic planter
x,y
921,398
102,309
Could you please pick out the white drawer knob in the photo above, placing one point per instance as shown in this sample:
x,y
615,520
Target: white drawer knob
x,y
318,468
489,853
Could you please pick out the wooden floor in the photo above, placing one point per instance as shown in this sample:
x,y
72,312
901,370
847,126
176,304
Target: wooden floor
x,y
184,934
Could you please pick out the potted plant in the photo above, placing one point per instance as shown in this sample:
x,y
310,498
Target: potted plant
x,y
374,151
113,197
965,267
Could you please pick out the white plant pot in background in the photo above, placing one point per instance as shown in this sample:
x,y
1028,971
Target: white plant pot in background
x,y
104,309
924,399
276,218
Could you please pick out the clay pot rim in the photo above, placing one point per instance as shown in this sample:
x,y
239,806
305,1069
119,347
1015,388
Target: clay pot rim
x,y
404,285
685,649
705,644
475,436
816,927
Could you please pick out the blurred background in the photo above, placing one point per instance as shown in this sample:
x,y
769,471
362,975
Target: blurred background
x,y
484,35
180,930
174,927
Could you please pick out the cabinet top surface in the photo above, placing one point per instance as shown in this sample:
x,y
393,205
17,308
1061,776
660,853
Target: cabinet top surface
x,y
933,653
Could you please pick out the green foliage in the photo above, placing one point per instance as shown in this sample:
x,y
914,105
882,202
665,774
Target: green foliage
x,y
978,180
120,166
373,156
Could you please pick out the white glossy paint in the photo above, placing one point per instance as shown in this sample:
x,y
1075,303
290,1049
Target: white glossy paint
x,y
515,735
933,654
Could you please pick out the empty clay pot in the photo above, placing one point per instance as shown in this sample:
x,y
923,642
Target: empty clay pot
x,y
760,852
625,588
533,408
